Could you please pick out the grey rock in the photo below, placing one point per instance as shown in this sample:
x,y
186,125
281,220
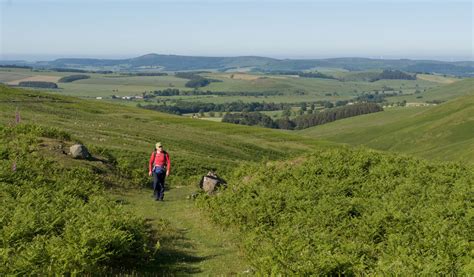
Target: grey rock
x,y
79,151
211,182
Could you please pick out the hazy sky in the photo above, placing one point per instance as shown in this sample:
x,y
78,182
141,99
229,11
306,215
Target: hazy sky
x,y
36,29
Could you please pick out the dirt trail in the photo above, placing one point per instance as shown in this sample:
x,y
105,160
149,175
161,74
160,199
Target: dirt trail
x,y
197,246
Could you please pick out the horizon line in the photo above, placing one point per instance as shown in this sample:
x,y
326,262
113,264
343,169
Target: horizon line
x,y
52,57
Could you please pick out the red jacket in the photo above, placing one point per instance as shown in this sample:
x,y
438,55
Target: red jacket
x,y
161,159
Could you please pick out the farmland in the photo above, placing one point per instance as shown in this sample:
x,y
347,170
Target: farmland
x,y
294,89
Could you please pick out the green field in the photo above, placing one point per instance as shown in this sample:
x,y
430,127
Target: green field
x,y
293,89
444,132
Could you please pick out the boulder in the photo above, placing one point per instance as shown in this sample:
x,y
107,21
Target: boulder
x,y
79,151
211,182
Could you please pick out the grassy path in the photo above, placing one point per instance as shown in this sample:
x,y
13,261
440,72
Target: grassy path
x,y
190,244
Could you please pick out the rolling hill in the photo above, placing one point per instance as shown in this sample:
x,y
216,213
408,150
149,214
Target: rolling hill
x,y
296,205
442,132
132,132
176,63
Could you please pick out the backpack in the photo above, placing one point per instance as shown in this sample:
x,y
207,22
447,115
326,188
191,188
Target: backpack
x,y
158,169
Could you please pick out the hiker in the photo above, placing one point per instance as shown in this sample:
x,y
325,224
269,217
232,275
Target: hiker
x,y
159,166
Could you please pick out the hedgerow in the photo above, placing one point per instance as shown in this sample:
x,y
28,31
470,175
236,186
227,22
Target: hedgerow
x,y
352,212
57,220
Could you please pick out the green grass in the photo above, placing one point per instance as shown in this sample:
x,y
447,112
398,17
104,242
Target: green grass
x,y
133,130
443,93
196,245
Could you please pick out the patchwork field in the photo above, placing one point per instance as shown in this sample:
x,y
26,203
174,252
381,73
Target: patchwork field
x,y
39,78
280,88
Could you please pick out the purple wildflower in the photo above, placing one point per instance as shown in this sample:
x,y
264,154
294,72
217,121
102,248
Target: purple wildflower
x,y
14,166
17,116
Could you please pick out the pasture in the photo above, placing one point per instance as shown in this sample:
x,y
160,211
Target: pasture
x,y
280,88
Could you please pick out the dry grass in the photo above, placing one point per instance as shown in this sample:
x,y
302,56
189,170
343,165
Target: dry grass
x,y
436,78
40,78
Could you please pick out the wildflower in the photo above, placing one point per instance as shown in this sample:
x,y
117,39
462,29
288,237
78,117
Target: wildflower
x,y
17,116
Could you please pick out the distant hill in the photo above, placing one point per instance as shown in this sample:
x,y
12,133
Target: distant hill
x,y
443,132
169,62
255,63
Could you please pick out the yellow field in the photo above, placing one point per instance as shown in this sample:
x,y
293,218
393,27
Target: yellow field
x,y
248,77
436,78
41,78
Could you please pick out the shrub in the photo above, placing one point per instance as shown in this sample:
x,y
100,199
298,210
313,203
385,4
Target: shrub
x,y
351,212
56,220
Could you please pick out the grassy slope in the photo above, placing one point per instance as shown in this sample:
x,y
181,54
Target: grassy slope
x,y
208,145
442,132
195,146
443,93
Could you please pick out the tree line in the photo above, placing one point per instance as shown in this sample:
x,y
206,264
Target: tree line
x,y
72,78
394,75
81,70
146,74
15,66
177,92
182,107
195,80
38,84
302,121
302,74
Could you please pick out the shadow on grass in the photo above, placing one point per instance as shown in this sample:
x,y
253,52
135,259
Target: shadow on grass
x,y
176,256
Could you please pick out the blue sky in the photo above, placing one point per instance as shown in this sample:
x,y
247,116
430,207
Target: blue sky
x,y
283,29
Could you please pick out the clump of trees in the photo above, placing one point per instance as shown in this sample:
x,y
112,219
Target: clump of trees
x,y
147,74
252,119
394,75
15,66
310,120
314,74
375,97
182,107
60,69
72,78
195,80
38,84
176,92
303,121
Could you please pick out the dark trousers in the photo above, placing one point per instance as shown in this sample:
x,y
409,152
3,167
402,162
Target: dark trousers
x,y
159,185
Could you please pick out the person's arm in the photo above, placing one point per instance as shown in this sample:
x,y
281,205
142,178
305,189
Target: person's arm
x,y
150,164
168,164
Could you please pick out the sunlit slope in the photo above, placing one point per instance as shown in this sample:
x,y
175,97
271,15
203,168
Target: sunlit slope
x,y
441,93
443,132
195,145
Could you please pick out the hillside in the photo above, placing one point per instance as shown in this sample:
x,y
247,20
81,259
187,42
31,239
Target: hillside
x,y
285,186
97,215
132,132
177,63
441,93
442,132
